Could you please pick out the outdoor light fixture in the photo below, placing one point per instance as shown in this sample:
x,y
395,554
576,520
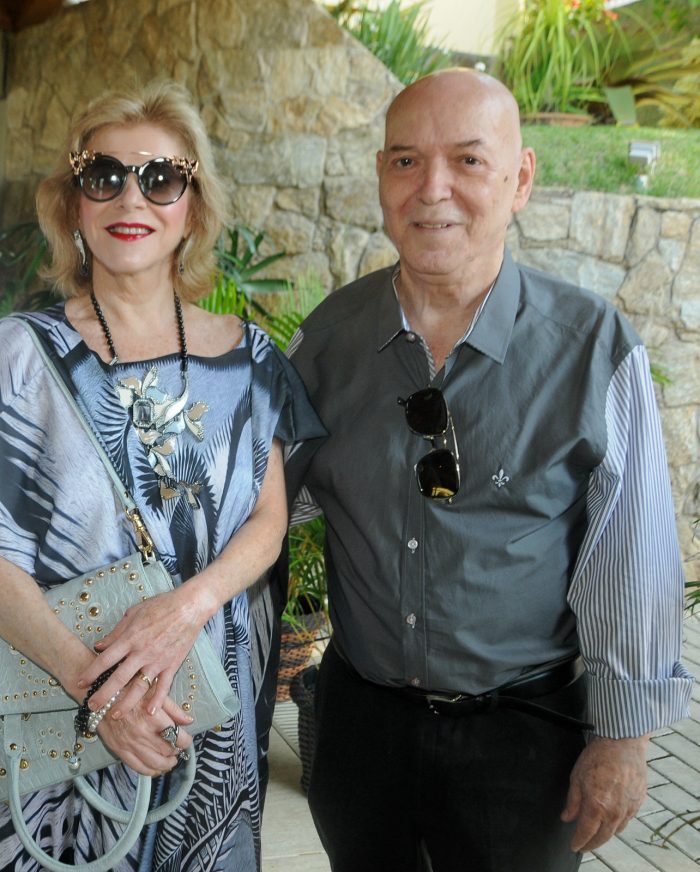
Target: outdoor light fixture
x,y
643,154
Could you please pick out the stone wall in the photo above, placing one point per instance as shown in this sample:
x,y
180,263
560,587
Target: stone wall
x,y
642,254
294,106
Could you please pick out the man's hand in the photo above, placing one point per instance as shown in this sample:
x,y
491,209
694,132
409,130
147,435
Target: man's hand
x,y
607,787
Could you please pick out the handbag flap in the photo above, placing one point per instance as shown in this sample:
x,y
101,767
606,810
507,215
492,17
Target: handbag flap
x,y
90,606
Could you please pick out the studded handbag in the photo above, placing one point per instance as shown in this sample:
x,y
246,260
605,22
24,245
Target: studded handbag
x,y
38,745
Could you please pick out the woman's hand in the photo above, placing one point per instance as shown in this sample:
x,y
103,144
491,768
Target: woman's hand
x,y
136,738
151,641
154,637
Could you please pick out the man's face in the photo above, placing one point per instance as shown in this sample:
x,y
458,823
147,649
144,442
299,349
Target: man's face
x,y
451,174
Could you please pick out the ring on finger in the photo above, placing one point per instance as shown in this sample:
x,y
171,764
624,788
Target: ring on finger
x,y
170,734
182,755
144,677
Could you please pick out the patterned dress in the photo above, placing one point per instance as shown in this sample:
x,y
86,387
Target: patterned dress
x,y
59,519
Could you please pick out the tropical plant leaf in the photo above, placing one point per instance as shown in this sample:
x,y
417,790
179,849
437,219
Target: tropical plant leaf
x,y
307,590
23,250
398,36
239,260
560,55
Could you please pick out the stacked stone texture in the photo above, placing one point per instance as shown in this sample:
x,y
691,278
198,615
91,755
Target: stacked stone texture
x,y
295,108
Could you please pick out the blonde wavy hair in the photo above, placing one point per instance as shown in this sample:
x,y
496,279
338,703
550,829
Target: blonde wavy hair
x,y
167,105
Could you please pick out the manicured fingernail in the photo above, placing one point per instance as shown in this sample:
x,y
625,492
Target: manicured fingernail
x,y
82,684
152,710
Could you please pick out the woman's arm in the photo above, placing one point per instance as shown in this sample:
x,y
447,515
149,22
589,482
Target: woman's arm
x,y
155,636
29,623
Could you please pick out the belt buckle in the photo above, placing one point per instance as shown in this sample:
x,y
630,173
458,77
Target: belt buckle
x,y
480,702
432,698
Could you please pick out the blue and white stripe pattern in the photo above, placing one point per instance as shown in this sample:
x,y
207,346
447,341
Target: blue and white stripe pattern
x,y
629,630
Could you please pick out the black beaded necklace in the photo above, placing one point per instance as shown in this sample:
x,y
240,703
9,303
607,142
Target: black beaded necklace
x,y
184,361
158,418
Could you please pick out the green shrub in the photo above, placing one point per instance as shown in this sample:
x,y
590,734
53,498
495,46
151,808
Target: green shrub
x,y
239,260
562,55
553,54
287,310
664,76
237,290
687,86
397,36
307,591
22,253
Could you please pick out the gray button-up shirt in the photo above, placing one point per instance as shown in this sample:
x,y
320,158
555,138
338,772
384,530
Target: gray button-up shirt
x,y
562,534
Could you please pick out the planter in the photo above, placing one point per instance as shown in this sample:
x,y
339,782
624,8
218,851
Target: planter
x,y
302,691
297,645
559,119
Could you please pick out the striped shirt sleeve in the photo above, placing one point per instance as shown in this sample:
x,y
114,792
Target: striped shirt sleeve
x,y
627,586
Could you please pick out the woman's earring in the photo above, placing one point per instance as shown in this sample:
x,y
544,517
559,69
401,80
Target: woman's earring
x,y
83,266
183,255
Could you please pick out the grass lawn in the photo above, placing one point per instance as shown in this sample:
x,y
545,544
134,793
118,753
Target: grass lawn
x,y
595,159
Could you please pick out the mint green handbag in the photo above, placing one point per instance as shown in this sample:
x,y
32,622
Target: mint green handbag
x,y
36,715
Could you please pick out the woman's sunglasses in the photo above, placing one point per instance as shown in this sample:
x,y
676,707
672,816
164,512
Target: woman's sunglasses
x,y
427,415
162,180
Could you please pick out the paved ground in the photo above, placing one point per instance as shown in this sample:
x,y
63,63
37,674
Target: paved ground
x,y
654,842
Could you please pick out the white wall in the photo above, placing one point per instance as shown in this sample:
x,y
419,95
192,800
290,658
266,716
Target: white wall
x,y
470,25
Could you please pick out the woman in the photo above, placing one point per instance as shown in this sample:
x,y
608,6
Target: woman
x,y
192,409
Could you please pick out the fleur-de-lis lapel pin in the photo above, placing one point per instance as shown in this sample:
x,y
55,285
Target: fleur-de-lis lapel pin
x,y
500,479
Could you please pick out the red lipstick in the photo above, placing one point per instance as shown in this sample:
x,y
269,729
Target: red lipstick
x,y
129,232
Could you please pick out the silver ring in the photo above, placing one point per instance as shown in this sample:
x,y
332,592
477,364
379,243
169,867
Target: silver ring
x,y
170,734
182,755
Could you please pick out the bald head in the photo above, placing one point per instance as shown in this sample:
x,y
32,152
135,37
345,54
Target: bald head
x,y
451,174
460,90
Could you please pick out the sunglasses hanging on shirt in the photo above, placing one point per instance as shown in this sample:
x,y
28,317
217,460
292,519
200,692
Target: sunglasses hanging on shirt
x,y
161,180
427,415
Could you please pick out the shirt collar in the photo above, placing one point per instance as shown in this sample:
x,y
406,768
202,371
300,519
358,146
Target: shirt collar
x,y
493,328
389,319
492,331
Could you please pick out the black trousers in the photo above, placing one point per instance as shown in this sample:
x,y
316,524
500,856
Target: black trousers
x,y
392,781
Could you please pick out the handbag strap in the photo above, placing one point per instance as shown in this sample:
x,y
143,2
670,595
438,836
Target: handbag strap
x,y
135,818
143,537
107,861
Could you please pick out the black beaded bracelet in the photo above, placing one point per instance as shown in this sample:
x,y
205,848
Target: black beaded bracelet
x,y
82,718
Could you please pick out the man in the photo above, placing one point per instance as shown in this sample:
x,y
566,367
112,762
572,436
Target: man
x,y
483,532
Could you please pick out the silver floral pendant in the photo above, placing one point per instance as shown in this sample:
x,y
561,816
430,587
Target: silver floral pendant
x,y
159,420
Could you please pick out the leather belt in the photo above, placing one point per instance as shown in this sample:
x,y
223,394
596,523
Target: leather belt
x,y
518,695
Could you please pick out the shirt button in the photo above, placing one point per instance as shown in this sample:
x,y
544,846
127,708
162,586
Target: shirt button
x,y
411,620
411,337
415,682
412,545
